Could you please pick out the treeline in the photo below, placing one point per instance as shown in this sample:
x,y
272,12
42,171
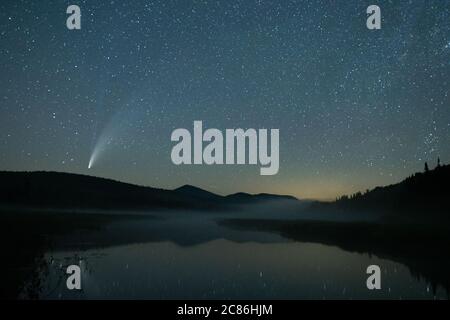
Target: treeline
x,y
423,193
64,190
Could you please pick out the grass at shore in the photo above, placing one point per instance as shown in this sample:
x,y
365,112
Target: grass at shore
x,y
26,235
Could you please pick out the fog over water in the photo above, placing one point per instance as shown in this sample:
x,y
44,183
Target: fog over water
x,y
182,255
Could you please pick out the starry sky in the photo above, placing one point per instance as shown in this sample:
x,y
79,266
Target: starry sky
x,y
356,108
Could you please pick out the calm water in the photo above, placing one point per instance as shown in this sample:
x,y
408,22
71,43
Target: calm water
x,y
185,257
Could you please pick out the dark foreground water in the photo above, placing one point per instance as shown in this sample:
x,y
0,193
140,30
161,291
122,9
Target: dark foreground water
x,y
192,257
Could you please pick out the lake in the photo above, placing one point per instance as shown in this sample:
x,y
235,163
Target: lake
x,y
191,256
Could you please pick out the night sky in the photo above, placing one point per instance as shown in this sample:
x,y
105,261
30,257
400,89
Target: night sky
x,y
356,108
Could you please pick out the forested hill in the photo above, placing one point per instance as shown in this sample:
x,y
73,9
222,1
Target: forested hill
x,y
422,195
66,190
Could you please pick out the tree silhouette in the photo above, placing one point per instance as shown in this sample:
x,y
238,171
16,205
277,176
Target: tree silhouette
x,y
438,163
426,167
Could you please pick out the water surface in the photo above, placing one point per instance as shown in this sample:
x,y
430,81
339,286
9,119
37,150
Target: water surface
x,y
190,256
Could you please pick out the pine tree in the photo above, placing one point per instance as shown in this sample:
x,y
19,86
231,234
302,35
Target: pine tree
x,y
439,163
426,167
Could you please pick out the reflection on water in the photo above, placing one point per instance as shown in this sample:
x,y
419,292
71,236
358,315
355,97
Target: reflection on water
x,y
222,269
195,258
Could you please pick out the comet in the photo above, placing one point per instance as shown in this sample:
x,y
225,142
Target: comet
x,y
121,123
106,139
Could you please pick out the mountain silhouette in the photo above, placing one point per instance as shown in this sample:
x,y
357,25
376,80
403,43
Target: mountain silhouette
x,y
245,198
198,193
74,191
